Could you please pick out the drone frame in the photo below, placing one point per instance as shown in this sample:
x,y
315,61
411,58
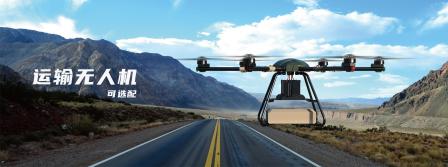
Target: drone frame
x,y
313,99
292,67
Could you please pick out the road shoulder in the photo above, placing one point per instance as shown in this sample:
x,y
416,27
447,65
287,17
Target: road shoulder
x,y
96,150
321,154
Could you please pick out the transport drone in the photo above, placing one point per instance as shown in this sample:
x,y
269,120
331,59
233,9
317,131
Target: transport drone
x,y
290,88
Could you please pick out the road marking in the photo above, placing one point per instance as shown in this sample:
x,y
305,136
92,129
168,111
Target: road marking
x,y
216,140
208,162
284,147
124,152
218,146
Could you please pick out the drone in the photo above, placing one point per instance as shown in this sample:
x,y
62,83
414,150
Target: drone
x,y
290,88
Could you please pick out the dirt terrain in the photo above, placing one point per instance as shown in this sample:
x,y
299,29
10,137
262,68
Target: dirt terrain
x,y
399,123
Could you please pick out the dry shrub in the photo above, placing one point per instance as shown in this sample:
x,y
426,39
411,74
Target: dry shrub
x,y
4,156
379,144
80,124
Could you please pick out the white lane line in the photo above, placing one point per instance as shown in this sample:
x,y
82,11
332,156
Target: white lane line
x,y
124,152
286,148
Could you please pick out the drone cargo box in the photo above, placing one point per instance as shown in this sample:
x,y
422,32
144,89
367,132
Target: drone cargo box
x,y
291,116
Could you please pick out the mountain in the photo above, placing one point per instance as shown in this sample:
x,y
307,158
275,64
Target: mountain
x,y
426,97
9,76
161,80
359,101
9,35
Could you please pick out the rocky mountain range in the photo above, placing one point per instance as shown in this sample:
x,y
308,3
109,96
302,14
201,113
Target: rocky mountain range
x,y
359,101
9,76
161,80
426,97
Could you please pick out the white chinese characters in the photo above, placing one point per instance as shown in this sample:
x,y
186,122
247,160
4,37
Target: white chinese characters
x,y
83,77
63,77
42,77
122,93
87,77
127,76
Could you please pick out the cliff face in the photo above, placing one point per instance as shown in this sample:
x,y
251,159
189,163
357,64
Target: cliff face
x,y
426,97
161,80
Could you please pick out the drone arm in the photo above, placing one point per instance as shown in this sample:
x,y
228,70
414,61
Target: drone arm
x,y
258,68
340,68
203,69
303,69
376,69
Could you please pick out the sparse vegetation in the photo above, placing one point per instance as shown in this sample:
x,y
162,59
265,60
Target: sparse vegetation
x,y
80,124
379,130
3,156
32,120
379,144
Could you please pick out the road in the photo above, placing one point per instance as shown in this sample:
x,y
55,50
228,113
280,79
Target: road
x,y
209,143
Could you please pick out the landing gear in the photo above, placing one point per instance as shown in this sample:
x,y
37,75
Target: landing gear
x,y
291,91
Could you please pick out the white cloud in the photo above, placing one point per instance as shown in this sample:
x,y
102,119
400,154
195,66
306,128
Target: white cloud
x,y
217,28
264,75
177,48
12,4
323,76
143,42
220,26
282,32
306,3
439,20
77,3
384,92
392,79
390,50
361,76
63,26
206,34
338,84
439,50
304,32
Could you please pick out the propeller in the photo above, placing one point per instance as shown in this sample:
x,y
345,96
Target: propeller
x,y
344,56
387,58
206,58
363,57
320,60
254,56
232,58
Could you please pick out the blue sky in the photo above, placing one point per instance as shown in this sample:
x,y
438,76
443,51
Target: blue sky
x,y
292,28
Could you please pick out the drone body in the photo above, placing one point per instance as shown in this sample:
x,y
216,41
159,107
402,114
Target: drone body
x,y
290,88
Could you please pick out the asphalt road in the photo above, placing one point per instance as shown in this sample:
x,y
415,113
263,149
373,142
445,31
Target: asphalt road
x,y
209,143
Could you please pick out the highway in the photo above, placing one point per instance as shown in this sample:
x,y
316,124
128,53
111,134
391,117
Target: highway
x,y
209,143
